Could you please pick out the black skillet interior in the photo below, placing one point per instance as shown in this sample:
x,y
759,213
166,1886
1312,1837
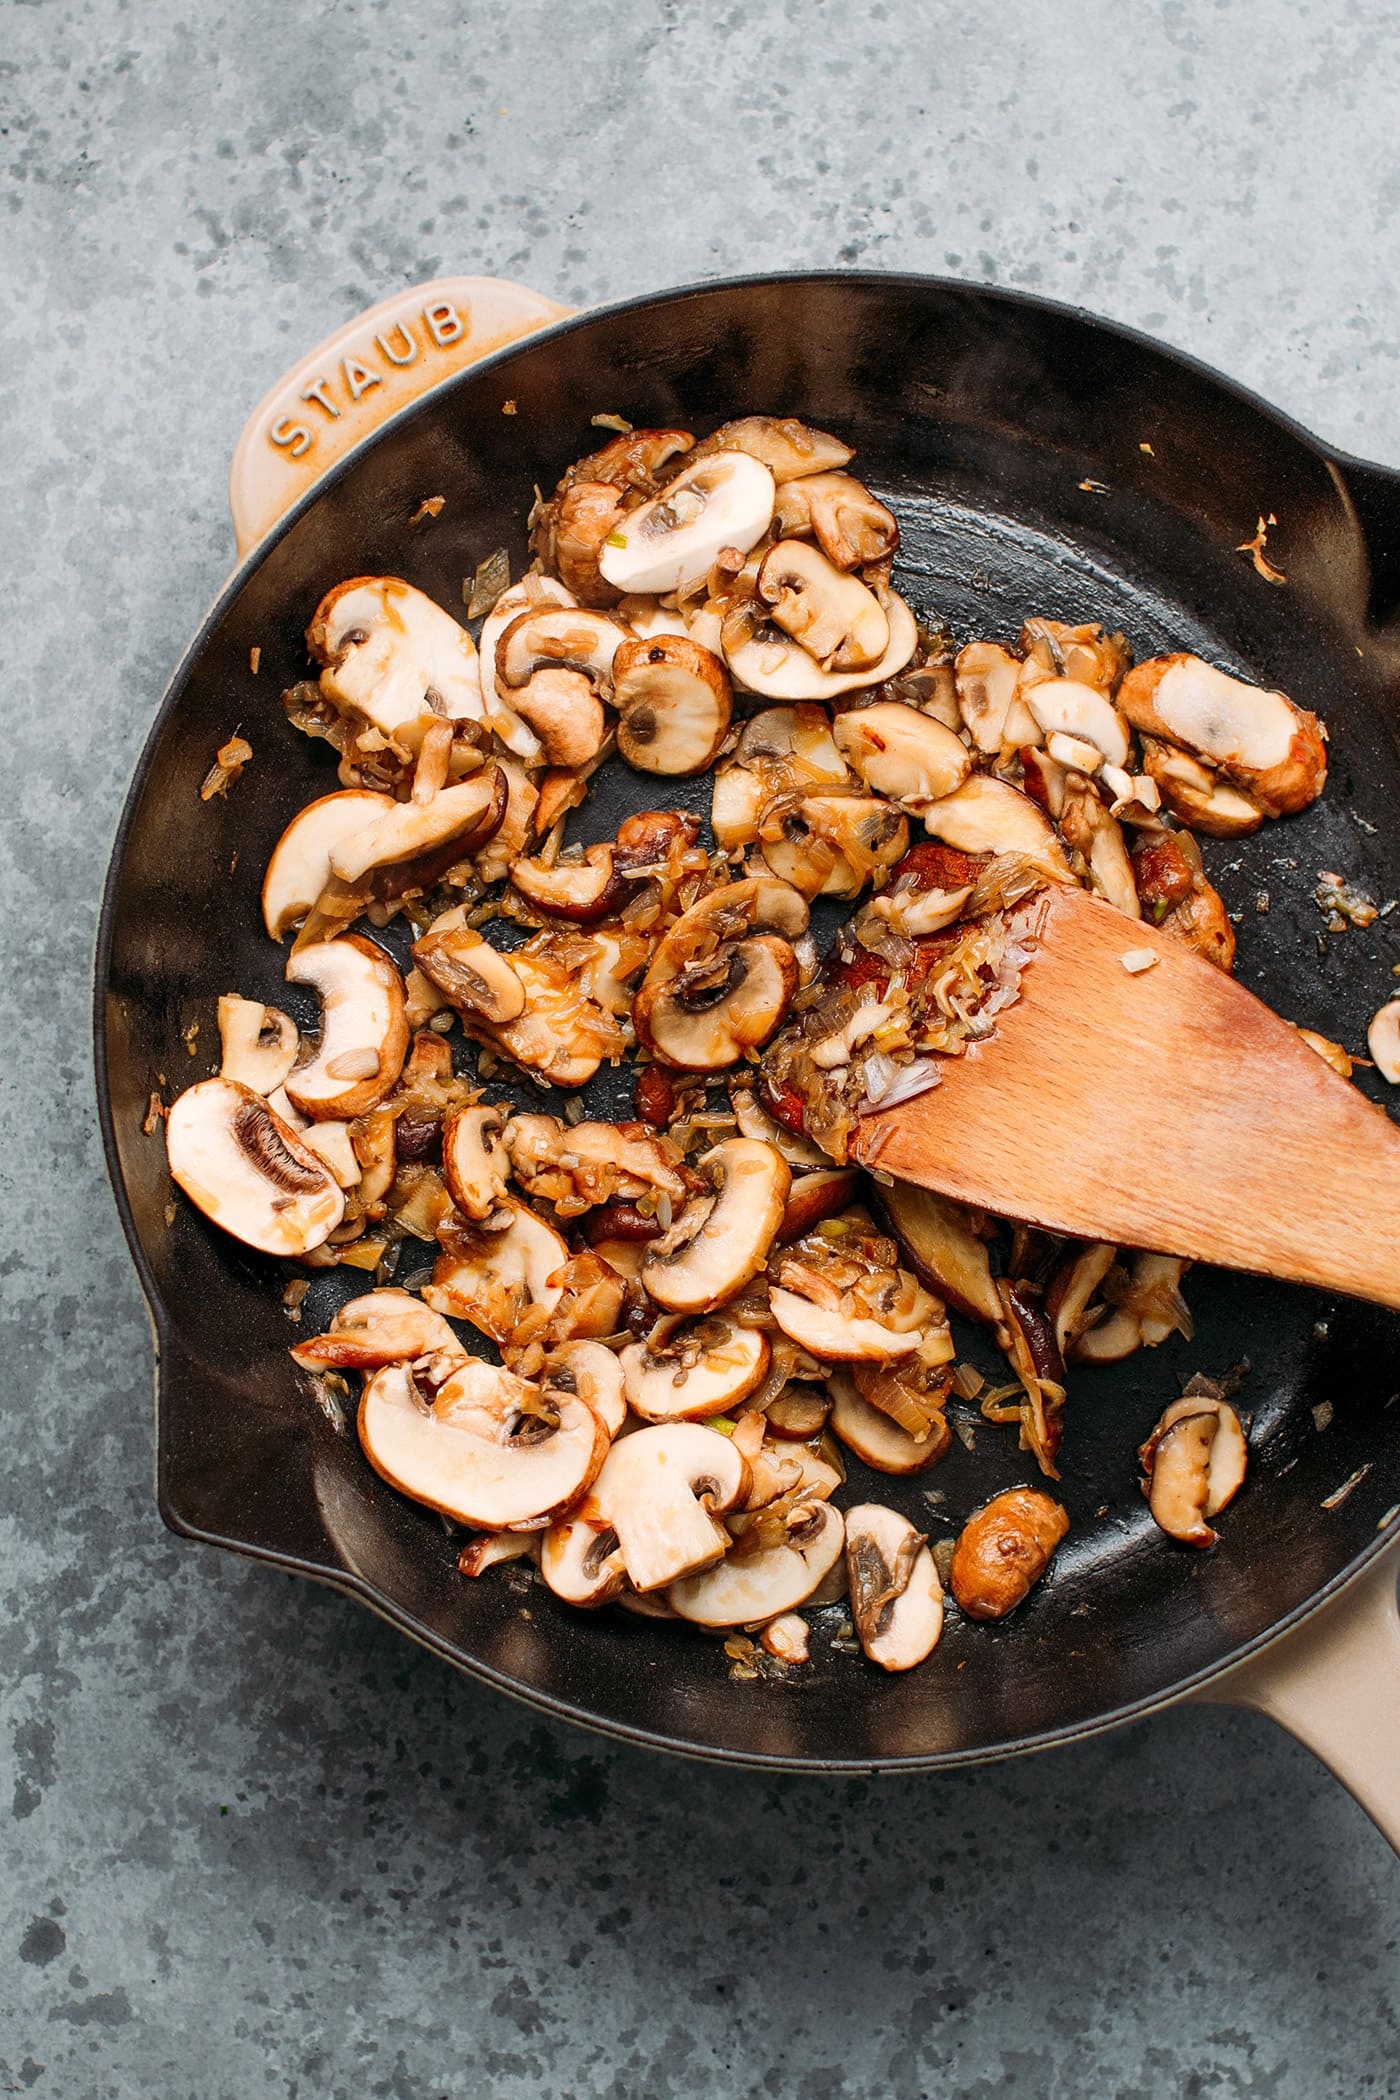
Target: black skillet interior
x,y
1038,462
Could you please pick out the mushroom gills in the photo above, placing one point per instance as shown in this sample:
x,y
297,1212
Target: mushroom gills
x,y
896,1596
248,1171
747,1588
672,542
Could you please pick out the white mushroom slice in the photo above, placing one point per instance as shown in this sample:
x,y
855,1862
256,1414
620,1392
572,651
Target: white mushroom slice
x,y
835,845
248,1171
364,1028
382,1327
1073,709
918,912
759,905
554,667
673,704
594,1373
722,1240
736,809
509,841
850,525
490,1548
467,813
475,1163
987,680
516,735
331,1143
754,1121
258,1043
985,815
671,543
794,746
1076,756
708,1015
394,657
560,1034
1261,740
481,1450
1087,827
300,867
491,1277
874,1438
787,448
902,753
471,974
657,1490
766,662
581,1560
746,1588
896,1597
1204,1473
648,617
833,615
1198,796
579,890
829,1334
1383,1041
689,1368
788,1637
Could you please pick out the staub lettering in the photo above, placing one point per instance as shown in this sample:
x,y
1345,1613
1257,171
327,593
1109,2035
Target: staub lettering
x,y
437,326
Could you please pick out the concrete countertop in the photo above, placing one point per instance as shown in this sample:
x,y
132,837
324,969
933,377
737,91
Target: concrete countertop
x,y
252,1841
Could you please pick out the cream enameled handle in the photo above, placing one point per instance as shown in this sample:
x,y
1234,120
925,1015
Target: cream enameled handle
x,y
1334,1683
363,374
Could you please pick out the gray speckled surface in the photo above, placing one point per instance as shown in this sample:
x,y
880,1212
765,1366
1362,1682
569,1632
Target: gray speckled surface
x,y
253,1843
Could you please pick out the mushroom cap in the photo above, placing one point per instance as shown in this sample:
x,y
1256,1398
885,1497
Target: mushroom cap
x,y
248,1171
1269,746
472,975
820,1194
490,1278
756,905
394,656
1003,1549
874,1438
578,890
896,1597
1178,1485
797,742
987,679
851,526
838,621
789,449
746,1588
300,867
671,543
905,754
386,1326
594,1373
673,702
259,1043
468,813
364,1028
987,815
833,1336
707,1017
720,1242
1068,707
657,1489
475,1163
475,1452
767,663
726,1363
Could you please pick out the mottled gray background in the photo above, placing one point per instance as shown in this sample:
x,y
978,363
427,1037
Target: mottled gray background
x,y
254,1843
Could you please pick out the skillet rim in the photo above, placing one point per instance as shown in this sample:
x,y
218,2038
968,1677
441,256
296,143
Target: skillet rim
x,y
1346,469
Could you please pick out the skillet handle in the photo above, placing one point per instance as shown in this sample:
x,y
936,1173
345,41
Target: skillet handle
x,y
1334,1683
360,376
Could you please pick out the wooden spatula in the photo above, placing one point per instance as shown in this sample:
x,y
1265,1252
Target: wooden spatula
x,y
1165,1108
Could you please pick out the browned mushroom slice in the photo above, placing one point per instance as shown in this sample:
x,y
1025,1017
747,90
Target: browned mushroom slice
x,y
789,449
987,680
465,815
383,1327
1069,1298
594,1373
1193,1464
531,591
364,1028
836,619
580,1164
896,1597
943,1248
834,845
849,524
474,1160
1003,1550
470,973
485,1448
821,1194
1147,1311
489,1549
1198,796
799,1413
775,1576
877,1440
672,542
660,1490
300,867
554,667
1053,649
634,460
1275,751
248,1171
720,1241
902,753
258,1043
986,815
580,1558
689,1368
493,1273
569,535
580,890
393,658
673,703
1067,707
763,659
1089,830
712,1012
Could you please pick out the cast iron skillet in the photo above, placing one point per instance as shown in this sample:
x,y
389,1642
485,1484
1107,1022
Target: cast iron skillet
x,y
1039,461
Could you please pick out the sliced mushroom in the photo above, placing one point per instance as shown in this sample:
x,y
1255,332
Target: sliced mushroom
x,y
851,527
671,543
799,1413
834,1336
834,845
1151,1310
463,816
364,1028
943,1248
471,975
902,753
333,1144
746,1588
554,667
383,1327
594,1373
1260,740
580,1558
1052,649
1383,1041
1090,831
475,1163
986,815
562,1034
571,534
394,657
258,1043
707,1014
1333,1054
833,615
875,1439
1198,796
520,597
815,1196
524,802
896,1597
673,704
1003,1550
1068,707
720,1241
300,867
648,617
1069,1297
248,1171
493,1273
754,1121
789,449
660,1490
988,678
689,1368
485,1449
489,1549
1193,1464
576,1165
579,890
788,1637
763,660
